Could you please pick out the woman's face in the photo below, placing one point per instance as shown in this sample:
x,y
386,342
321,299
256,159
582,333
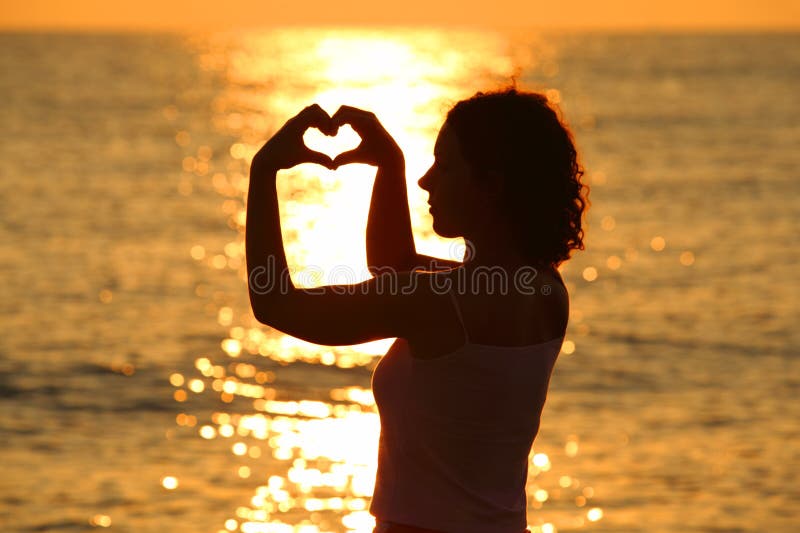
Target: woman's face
x,y
455,198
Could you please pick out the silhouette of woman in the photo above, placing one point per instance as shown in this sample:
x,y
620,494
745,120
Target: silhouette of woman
x,y
461,391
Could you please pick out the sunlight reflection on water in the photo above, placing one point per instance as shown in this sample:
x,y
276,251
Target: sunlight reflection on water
x,y
679,371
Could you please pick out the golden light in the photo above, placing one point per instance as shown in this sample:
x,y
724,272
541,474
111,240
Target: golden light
x,y
594,514
202,363
613,262
687,258
232,347
238,151
219,261
608,223
169,482
182,138
541,460
197,252
100,520
568,347
359,521
225,316
571,447
240,448
234,249
204,153
553,96
346,139
590,273
658,243
375,58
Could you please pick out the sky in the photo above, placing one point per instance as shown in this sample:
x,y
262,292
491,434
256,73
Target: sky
x,y
230,14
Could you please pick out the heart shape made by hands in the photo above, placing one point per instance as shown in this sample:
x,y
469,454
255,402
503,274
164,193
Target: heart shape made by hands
x,y
332,145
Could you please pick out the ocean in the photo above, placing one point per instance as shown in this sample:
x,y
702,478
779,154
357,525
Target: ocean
x,y
138,393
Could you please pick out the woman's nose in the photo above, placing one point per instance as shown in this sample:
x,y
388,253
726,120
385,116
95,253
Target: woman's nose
x,y
423,181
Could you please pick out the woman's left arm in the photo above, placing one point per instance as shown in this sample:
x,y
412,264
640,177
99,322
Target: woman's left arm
x,y
330,315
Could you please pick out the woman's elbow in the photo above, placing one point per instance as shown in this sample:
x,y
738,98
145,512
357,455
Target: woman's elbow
x,y
260,309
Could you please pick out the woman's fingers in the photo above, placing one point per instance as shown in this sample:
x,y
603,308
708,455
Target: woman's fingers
x,y
359,119
377,145
351,156
314,116
287,149
312,156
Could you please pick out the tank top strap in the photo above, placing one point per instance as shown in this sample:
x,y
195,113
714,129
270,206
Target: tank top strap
x,y
458,312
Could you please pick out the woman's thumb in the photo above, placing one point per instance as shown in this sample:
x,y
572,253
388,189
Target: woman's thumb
x,y
351,156
320,159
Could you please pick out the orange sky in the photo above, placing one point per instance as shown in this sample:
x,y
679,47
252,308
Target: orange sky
x,y
206,14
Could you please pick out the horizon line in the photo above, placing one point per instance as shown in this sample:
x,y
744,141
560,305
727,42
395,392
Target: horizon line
x,y
544,28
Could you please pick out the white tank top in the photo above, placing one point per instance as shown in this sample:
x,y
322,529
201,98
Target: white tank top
x,y
456,434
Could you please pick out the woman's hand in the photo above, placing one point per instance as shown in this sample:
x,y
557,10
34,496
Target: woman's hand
x,y
377,146
286,148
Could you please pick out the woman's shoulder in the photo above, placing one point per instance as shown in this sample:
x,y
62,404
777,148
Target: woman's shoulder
x,y
499,306
495,280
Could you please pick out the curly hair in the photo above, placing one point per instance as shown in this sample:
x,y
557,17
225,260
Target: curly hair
x,y
518,135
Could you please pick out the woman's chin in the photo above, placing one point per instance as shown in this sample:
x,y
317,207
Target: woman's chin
x,y
443,230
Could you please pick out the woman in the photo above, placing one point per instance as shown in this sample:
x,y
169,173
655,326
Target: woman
x,y
461,391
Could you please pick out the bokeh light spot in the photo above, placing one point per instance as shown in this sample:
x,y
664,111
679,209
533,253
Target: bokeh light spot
x,y
594,514
658,243
687,258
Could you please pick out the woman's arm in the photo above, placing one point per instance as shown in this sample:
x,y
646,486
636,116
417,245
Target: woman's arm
x,y
389,239
333,314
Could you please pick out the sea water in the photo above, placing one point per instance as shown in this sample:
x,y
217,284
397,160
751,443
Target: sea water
x,y
139,394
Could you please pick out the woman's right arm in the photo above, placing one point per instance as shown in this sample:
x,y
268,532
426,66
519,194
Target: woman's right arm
x,y
389,239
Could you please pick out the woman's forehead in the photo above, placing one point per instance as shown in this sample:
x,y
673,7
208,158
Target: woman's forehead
x,y
445,141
